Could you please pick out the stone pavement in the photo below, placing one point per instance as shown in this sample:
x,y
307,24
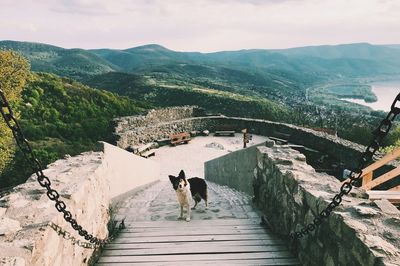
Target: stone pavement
x,y
159,203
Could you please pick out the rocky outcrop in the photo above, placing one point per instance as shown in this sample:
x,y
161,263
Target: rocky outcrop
x,y
88,183
291,194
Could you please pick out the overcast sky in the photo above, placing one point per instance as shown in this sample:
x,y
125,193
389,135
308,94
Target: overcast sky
x,y
200,25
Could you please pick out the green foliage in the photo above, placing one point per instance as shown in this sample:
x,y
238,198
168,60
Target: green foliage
x,y
393,140
14,72
60,116
355,91
62,108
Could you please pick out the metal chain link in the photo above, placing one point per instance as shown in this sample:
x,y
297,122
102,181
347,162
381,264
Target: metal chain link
x,y
67,236
44,181
355,175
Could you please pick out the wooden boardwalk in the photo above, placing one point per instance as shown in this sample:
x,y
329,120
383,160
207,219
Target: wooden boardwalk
x,y
198,242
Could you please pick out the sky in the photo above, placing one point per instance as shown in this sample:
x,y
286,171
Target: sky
x,y
200,25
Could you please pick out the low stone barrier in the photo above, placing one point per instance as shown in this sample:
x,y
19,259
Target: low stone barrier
x,y
234,170
88,183
133,131
291,194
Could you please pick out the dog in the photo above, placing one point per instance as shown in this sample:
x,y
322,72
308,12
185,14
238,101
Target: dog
x,y
186,189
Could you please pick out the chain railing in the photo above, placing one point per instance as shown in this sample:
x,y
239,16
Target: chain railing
x,y
355,175
43,180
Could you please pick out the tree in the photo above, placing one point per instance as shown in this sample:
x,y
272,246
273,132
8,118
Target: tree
x,y
14,73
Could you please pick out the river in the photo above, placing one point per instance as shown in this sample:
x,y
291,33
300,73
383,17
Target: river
x,y
385,92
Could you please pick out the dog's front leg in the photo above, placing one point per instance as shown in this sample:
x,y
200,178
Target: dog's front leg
x,y
181,214
188,212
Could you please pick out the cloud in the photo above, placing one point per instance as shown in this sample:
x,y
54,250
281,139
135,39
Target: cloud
x,y
201,25
82,7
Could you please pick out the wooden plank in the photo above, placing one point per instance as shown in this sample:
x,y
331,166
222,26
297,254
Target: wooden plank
x,y
383,178
270,242
194,228
284,261
397,188
367,178
174,232
196,257
168,239
193,249
392,196
387,158
192,223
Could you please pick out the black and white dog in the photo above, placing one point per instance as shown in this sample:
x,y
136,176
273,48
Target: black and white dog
x,y
186,189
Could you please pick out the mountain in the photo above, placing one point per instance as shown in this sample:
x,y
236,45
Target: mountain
x,y
278,75
303,64
350,51
74,63
143,57
395,46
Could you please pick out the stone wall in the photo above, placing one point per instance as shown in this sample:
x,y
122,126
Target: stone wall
x,y
151,133
291,193
87,183
129,133
234,170
154,117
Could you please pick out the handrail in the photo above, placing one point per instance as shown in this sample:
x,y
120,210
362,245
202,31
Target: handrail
x,y
368,183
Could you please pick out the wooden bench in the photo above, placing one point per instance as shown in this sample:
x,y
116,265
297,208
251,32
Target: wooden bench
x,y
279,141
148,153
179,138
144,150
225,130
224,133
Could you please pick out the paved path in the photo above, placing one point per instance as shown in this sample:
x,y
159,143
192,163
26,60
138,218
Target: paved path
x,y
159,203
227,233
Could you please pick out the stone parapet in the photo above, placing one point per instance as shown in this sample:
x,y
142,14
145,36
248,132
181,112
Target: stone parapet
x,y
88,183
155,116
129,134
29,240
291,194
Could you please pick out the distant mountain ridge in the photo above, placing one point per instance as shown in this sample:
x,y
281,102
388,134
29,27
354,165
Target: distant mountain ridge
x,y
353,60
73,63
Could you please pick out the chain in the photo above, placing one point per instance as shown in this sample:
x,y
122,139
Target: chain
x,y
67,236
355,175
44,181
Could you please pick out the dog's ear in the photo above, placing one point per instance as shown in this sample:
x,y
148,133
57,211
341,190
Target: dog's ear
x,y
182,174
171,178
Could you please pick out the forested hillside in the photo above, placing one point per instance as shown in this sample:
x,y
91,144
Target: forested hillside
x,y
61,116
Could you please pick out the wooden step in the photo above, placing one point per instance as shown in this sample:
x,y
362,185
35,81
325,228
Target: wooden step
x,y
222,242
